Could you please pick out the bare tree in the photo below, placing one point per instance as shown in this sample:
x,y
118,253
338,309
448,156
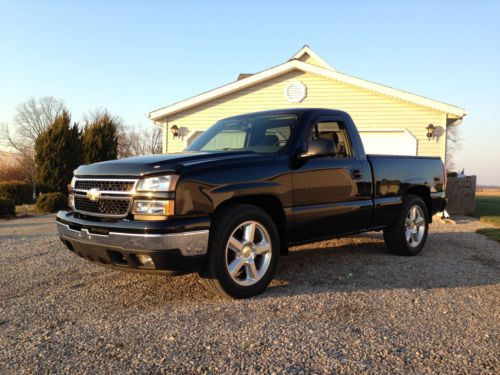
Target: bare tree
x,y
139,141
453,144
11,168
33,117
97,114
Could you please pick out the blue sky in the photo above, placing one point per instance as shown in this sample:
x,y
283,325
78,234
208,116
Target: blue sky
x,y
132,57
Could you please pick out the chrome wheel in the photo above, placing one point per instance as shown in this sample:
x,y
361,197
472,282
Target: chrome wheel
x,y
248,253
415,226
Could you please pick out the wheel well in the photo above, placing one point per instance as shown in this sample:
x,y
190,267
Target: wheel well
x,y
272,206
424,193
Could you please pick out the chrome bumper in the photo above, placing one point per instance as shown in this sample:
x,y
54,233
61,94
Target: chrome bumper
x,y
188,243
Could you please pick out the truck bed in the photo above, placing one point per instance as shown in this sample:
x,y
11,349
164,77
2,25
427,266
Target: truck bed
x,y
393,176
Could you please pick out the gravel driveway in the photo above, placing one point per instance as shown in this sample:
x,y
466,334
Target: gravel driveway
x,y
340,306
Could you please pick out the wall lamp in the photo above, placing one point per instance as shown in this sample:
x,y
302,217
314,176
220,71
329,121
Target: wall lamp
x,y
430,131
175,131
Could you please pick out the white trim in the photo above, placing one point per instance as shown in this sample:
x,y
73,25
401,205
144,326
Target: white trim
x,y
381,89
310,52
223,90
307,68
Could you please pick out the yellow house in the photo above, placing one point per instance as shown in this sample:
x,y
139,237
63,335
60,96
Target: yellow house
x,y
390,121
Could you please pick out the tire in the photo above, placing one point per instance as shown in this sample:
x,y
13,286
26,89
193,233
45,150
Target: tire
x,y
408,235
243,252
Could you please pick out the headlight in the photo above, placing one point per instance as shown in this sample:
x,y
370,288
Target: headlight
x,y
71,201
71,185
163,208
158,183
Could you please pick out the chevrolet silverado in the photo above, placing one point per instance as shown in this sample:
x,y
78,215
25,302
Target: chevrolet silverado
x,y
242,193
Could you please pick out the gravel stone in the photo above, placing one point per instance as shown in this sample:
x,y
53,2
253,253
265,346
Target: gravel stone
x,y
339,306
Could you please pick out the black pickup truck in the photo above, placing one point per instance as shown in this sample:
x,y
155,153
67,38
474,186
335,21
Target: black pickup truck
x,y
242,193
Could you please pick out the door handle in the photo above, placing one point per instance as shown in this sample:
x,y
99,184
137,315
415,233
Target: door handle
x,y
356,174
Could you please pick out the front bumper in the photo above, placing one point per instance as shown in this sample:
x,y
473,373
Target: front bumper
x,y
175,246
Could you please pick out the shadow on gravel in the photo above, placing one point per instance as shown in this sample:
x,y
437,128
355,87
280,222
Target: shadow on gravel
x,y
450,260
334,266
325,267
358,263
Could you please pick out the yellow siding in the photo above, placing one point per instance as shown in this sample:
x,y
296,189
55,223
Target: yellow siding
x,y
368,109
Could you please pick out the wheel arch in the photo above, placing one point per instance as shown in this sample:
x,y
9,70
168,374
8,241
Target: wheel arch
x,y
424,193
270,204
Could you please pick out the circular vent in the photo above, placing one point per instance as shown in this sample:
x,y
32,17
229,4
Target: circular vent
x,y
295,92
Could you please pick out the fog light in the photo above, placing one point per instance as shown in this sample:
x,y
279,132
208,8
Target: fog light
x,y
145,260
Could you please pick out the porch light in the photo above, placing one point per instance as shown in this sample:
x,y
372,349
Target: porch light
x,y
175,130
430,131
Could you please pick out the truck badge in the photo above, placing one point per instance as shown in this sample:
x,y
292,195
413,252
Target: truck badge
x,y
93,194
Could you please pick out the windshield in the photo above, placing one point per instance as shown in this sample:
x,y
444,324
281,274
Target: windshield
x,y
265,134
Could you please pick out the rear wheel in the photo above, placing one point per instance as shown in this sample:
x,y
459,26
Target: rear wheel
x,y
243,252
408,235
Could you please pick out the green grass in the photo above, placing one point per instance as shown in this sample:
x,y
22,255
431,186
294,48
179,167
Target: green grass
x,y
491,233
488,210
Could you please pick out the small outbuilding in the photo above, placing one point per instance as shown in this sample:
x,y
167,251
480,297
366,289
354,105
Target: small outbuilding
x,y
390,121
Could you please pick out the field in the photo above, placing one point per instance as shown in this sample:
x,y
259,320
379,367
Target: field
x,y
488,192
488,210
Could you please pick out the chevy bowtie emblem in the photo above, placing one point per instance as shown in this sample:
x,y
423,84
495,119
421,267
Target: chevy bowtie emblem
x,y
93,194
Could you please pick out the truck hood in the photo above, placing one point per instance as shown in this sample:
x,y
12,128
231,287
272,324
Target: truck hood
x,y
171,163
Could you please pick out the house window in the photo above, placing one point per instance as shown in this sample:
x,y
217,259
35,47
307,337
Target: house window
x,y
227,139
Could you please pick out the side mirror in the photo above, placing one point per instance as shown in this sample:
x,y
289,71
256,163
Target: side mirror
x,y
318,148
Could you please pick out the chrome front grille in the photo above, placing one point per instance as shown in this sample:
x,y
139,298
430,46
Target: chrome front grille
x,y
105,185
107,207
103,197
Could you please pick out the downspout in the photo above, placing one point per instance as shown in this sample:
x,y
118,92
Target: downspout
x,y
444,214
446,145
456,122
164,135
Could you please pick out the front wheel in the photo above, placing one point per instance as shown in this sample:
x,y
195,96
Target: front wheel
x,y
243,252
408,235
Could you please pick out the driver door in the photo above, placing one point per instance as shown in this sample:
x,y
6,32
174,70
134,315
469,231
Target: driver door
x,y
328,191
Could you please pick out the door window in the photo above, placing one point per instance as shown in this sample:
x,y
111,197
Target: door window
x,y
336,132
